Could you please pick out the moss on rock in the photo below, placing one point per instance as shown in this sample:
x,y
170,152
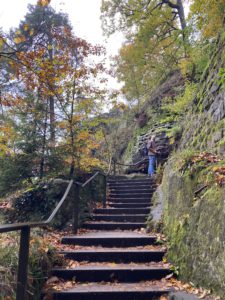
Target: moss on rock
x,y
194,224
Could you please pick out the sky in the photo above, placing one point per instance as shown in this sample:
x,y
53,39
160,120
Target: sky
x,y
83,14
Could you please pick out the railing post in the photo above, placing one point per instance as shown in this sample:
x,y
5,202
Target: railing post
x,y
76,200
104,191
114,168
23,264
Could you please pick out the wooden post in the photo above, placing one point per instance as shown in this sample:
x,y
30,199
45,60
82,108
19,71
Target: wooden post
x,y
114,168
76,199
23,264
104,191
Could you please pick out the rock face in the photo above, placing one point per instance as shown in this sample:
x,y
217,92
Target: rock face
x,y
167,89
194,227
204,126
194,224
162,143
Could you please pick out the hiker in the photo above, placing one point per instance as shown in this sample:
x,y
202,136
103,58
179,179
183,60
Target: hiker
x,y
152,151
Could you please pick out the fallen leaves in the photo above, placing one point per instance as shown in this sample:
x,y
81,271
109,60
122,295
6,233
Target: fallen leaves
x,y
208,161
206,156
220,175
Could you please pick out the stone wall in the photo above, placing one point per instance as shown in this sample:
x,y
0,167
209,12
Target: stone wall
x,y
194,224
204,125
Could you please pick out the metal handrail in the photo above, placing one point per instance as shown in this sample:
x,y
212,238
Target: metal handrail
x,y
24,244
131,165
26,227
19,226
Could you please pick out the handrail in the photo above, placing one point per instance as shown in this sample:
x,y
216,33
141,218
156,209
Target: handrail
x,y
25,241
19,226
110,164
88,180
131,165
26,227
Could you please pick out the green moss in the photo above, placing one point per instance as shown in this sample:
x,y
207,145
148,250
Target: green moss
x,y
194,225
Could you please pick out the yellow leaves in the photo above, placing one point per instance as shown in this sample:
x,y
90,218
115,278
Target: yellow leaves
x,y
19,39
62,125
25,27
7,136
44,2
209,15
31,32
2,42
83,135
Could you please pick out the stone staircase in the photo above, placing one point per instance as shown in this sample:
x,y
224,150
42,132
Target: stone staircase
x,y
114,259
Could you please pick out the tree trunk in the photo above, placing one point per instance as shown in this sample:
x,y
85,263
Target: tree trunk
x,y
72,165
51,101
52,120
43,148
181,14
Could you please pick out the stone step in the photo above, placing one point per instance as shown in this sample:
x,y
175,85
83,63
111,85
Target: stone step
x,y
136,204
115,255
131,192
132,186
133,181
120,218
103,291
110,239
120,211
130,195
123,273
113,225
130,200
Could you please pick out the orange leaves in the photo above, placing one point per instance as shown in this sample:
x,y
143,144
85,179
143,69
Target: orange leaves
x,y
220,175
19,39
7,136
207,157
43,2
210,159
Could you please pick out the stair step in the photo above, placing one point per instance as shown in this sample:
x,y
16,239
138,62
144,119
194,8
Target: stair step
x,y
113,225
110,239
132,184
140,205
118,211
131,181
130,200
124,273
132,190
130,195
115,255
131,187
120,218
117,291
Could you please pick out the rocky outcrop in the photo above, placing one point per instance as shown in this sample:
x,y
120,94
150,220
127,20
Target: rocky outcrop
x,y
189,202
163,145
193,224
204,125
170,88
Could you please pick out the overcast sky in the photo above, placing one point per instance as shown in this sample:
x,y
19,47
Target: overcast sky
x,y
83,14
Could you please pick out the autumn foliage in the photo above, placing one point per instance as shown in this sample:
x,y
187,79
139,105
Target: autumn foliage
x,y
54,93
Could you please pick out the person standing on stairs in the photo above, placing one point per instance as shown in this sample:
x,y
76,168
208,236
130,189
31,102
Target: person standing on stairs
x,y
152,151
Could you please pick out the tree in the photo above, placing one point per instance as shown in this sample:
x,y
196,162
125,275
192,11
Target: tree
x,y
208,16
53,66
127,16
